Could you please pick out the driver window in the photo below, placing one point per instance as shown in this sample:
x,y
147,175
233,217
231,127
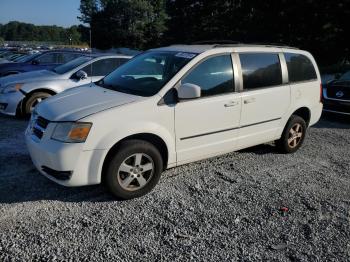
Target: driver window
x,y
101,67
214,76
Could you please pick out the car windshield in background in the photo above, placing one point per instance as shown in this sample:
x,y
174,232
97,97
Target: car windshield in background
x,y
147,73
62,69
20,58
345,77
27,58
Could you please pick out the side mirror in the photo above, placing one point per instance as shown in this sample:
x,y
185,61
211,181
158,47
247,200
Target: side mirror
x,y
80,75
35,62
189,91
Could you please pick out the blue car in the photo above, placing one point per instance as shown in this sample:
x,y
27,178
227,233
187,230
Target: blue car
x,y
39,61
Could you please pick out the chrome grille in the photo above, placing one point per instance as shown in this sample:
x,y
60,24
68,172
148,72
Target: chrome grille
x,y
339,92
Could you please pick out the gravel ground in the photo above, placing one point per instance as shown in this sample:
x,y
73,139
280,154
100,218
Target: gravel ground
x,y
225,208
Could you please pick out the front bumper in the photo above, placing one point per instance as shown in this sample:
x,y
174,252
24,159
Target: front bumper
x,y
64,163
9,103
336,106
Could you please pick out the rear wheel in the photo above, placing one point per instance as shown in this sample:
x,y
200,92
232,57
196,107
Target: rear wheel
x,y
32,101
134,170
293,135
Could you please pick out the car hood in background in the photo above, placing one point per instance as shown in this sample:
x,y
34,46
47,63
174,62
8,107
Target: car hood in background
x,y
341,83
79,102
4,61
32,76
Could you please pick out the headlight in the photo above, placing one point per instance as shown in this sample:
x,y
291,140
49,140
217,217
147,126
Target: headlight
x,y
12,88
32,120
71,132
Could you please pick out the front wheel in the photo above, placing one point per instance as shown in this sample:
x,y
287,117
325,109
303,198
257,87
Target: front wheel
x,y
293,135
134,170
32,101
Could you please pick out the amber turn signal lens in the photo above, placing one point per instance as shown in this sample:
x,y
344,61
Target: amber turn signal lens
x,y
18,86
79,132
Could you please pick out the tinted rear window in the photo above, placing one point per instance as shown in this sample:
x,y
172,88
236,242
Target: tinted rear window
x,y
300,68
260,70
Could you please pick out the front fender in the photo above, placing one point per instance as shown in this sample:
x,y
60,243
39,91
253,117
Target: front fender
x,y
31,87
114,136
111,126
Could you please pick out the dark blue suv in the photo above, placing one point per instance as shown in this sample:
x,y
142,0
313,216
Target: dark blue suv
x,y
39,61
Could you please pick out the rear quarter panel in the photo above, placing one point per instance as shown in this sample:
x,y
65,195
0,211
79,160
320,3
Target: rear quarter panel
x,y
306,93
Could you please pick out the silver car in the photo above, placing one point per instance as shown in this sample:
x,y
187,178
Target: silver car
x,y
20,93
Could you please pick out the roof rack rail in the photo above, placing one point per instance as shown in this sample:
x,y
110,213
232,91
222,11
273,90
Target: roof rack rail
x,y
216,42
257,44
231,43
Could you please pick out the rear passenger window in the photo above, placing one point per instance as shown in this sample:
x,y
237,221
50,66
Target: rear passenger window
x,y
214,76
300,68
260,70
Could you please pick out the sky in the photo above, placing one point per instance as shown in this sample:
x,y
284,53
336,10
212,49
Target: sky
x,y
40,12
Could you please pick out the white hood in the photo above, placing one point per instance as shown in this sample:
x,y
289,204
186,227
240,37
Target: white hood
x,y
79,102
39,75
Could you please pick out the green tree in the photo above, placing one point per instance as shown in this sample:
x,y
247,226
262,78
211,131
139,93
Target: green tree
x,y
131,23
319,26
17,31
87,9
73,35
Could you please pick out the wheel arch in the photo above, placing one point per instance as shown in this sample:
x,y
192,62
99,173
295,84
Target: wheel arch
x,y
305,113
20,107
13,72
155,140
42,89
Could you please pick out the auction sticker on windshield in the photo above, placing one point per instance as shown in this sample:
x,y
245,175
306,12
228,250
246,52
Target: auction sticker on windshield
x,y
185,55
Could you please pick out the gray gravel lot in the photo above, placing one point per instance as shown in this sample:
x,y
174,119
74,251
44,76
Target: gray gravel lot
x,y
226,208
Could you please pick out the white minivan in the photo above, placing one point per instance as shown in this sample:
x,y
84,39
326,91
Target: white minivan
x,y
171,106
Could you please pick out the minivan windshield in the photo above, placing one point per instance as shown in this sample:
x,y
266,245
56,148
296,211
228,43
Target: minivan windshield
x,y
147,73
62,69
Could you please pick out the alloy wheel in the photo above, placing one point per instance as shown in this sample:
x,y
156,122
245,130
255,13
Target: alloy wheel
x,y
35,102
135,172
295,135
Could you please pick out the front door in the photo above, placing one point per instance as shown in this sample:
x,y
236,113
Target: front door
x,y
208,125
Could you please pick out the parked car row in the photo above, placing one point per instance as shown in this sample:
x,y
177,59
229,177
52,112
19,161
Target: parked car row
x,y
9,56
38,61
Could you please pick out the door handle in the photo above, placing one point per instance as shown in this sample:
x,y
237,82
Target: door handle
x,y
232,103
250,100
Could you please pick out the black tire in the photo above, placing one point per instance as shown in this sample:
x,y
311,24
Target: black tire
x,y
290,142
127,151
32,101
